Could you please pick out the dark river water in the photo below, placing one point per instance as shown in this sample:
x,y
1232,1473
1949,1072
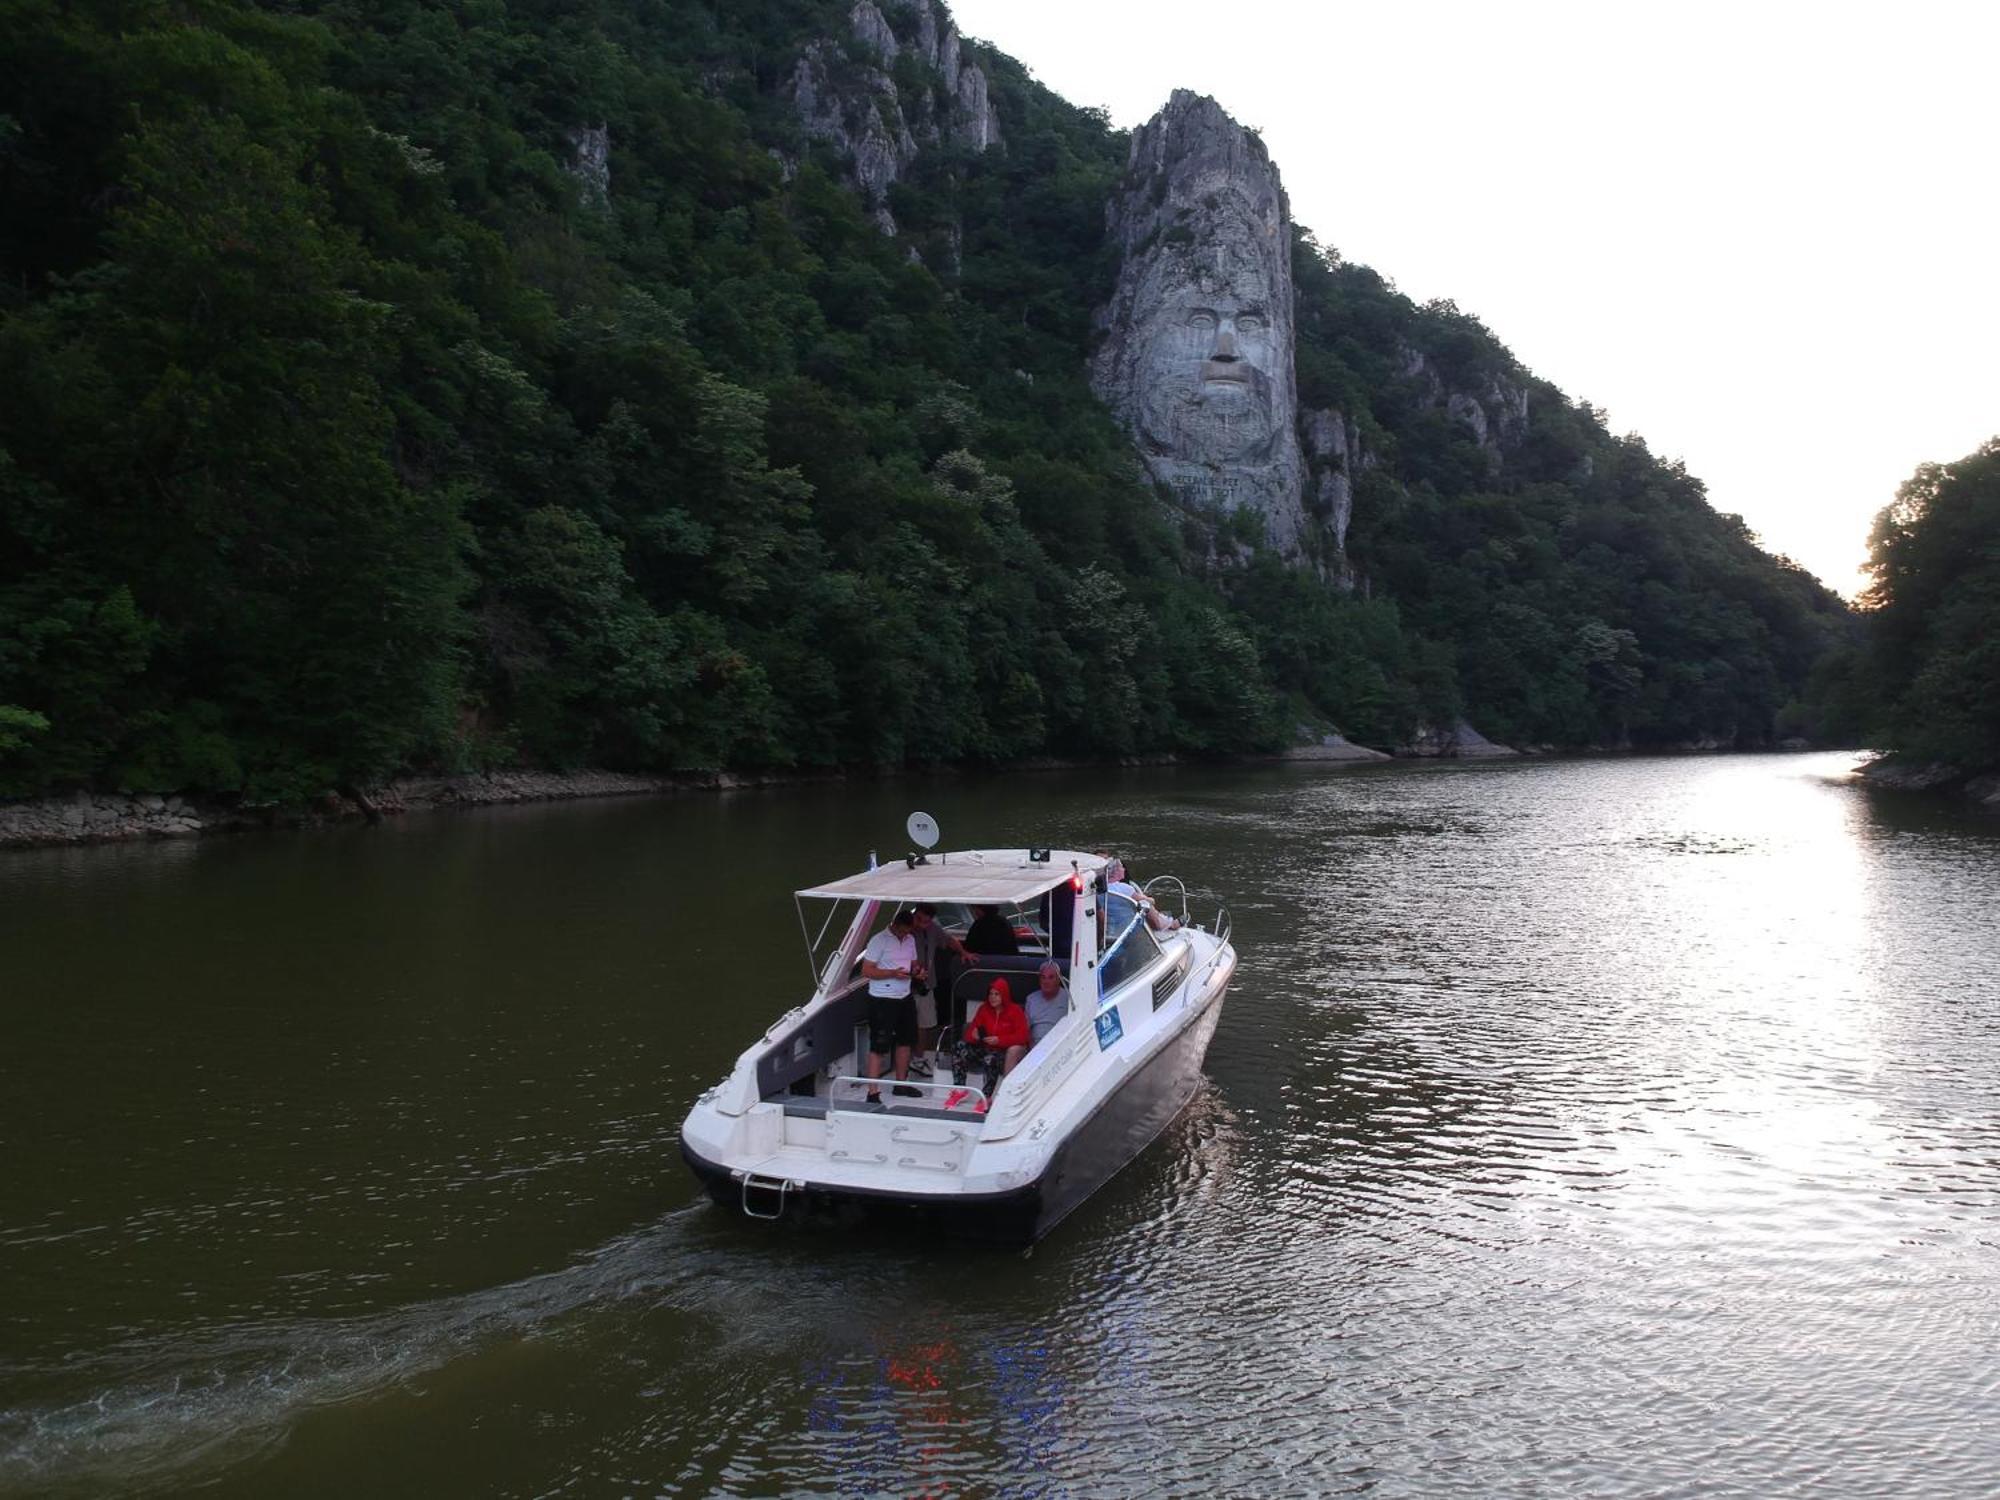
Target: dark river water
x,y
1619,1128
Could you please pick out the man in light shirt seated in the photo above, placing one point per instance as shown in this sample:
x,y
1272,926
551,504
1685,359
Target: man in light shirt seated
x,y
1117,883
1047,1005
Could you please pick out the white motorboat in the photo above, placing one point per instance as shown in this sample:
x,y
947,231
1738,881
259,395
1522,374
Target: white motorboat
x,y
792,1129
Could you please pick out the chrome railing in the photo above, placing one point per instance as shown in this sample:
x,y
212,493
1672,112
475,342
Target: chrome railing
x,y
1220,926
1178,884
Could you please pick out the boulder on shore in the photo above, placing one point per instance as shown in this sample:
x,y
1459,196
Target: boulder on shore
x,y
1334,746
1894,773
1459,741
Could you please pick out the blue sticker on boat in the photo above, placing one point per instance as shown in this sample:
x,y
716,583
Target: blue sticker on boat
x,y
1109,1028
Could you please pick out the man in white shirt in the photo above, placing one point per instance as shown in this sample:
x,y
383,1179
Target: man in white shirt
x,y
886,964
1118,884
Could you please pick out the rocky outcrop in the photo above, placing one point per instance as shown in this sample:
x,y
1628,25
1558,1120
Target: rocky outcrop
x,y
977,121
1334,456
88,818
1197,353
1896,773
103,818
871,29
855,106
1460,741
1494,413
590,162
878,151
1331,747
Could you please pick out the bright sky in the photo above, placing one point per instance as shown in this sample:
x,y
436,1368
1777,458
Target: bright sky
x,y
1765,236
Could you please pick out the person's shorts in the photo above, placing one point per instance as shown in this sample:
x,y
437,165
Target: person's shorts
x,y
926,1008
892,1023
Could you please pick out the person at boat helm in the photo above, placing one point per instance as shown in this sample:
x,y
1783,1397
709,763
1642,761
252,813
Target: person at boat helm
x,y
996,1037
1117,883
990,932
887,963
935,946
1047,1004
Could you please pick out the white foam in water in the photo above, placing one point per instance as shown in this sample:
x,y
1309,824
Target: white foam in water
x,y
224,1395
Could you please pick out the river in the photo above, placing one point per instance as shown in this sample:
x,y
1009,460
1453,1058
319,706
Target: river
x,y
1610,1128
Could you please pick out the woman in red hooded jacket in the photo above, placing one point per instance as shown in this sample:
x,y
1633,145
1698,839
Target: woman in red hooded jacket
x,y
996,1036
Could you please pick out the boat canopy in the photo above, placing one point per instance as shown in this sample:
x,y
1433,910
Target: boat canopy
x,y
991,877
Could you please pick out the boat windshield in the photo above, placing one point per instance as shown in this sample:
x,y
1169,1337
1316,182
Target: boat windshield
x,y
1132,946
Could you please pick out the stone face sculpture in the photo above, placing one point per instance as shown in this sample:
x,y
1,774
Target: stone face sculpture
x,y
1197,350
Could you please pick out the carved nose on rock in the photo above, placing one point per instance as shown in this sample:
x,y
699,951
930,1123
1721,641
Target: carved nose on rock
x,y
1225,343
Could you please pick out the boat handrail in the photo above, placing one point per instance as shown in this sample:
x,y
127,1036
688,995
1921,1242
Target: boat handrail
x,y
771,1031
1222,925
1179,884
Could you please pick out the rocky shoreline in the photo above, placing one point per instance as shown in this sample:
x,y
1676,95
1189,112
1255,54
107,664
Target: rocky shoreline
x,y
102,818
1896,774
111,817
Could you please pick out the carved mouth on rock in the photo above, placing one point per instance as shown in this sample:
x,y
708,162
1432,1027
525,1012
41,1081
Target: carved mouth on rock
x,y
1229,371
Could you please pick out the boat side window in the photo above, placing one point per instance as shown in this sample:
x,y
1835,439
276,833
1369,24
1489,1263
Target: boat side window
x,y
1135,949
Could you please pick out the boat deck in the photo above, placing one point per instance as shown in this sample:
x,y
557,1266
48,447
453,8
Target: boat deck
x,y
940,1098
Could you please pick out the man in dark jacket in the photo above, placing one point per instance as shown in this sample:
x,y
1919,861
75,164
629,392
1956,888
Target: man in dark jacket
x,y
991,933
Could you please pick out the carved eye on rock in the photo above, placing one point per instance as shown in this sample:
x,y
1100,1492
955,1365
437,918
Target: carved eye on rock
x,y
1201,321
1249,323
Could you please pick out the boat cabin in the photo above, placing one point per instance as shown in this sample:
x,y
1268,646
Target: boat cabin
x,y
1055,904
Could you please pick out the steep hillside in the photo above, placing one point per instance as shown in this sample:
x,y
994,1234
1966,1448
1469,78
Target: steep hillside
x,y
688,384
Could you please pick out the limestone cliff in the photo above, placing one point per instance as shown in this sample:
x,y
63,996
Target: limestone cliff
x,y
590,162
1197,354
1493,412
1334,455
847,97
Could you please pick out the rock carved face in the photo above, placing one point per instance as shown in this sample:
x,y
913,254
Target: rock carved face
x,y
1196,358
1206,374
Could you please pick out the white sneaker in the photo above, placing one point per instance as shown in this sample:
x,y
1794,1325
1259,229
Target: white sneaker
x,y
919,1068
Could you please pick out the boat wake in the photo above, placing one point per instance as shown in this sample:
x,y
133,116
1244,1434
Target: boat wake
x,y
165,1405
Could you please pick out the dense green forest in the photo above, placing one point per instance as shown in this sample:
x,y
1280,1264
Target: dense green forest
x,y
344,429
1924,682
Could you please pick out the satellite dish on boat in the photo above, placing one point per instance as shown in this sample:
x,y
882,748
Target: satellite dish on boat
x,y
923,830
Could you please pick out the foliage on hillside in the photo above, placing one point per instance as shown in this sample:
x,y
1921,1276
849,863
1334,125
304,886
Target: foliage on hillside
x,y
1586,591
1926,682
343,430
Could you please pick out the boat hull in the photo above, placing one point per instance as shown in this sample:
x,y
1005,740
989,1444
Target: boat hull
x,y
1129,1120
1009,1218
